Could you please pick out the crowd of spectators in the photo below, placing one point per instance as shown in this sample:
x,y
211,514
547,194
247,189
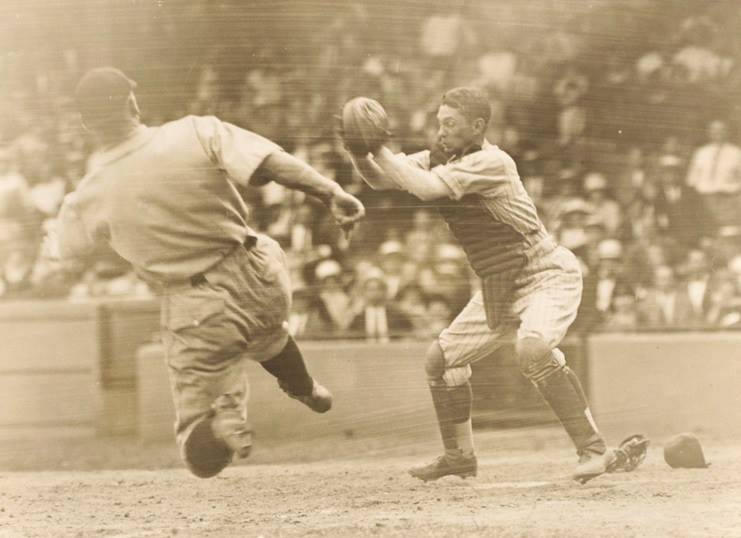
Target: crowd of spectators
x,y
628,153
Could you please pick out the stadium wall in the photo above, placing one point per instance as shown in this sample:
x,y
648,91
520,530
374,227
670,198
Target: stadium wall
x,y
666,383
93,369
50,356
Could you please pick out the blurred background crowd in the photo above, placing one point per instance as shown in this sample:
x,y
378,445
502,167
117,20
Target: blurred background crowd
x,y
622,115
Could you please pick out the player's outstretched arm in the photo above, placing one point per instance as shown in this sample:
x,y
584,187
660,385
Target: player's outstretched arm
x,y
248,158
413,179
293,173
371,173
365,130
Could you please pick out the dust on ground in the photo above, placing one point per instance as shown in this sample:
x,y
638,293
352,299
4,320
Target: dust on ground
x,y
360,488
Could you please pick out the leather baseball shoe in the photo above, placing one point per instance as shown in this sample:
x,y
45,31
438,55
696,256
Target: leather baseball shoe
x,y
447,465
592,464
319,400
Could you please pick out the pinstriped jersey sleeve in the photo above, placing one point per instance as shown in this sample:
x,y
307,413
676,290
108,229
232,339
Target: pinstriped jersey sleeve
x,y
420,159
236,151
486,172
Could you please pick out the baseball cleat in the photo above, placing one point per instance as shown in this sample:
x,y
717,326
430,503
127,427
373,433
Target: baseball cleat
x,y
229,426
319,400
592,464
446,465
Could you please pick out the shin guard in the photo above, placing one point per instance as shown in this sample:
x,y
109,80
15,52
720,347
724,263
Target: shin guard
x,y
563,392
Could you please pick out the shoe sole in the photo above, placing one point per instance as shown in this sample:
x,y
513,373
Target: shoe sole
x,y
583,479
463,476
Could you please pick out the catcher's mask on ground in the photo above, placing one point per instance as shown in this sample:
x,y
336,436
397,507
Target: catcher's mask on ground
x,y
684,450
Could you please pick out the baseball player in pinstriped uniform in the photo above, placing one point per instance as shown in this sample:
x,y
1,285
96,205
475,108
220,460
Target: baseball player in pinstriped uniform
x,y
531,287
166,200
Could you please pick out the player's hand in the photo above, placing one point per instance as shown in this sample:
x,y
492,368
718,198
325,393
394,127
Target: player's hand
x,y
346,209
364,126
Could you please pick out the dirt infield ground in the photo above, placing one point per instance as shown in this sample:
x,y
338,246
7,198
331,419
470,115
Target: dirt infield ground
x,y
359,488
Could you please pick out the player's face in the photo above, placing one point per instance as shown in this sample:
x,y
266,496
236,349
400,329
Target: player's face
x,y
455,132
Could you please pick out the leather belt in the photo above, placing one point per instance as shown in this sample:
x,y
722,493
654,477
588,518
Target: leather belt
x,y
199,279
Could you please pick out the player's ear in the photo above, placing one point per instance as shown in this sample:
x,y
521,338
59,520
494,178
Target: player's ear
x,y
133,106
479,125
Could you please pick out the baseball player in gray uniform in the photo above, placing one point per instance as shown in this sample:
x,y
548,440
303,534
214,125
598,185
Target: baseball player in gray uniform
x,y
166,200
530,286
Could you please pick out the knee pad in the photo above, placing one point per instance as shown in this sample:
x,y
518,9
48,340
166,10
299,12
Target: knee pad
x,y
537,361
438,373
203,453
434,362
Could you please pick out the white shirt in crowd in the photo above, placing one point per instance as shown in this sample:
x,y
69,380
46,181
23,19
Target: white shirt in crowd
x,y
605,289
716,168
665,302
696,292
376,324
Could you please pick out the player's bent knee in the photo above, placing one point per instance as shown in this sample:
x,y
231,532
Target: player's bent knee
x,y
530,351
434,362
537,360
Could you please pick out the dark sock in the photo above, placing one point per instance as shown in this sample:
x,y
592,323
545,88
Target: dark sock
x,y
289,367
461,398
206,455
563,392
441,401
452,406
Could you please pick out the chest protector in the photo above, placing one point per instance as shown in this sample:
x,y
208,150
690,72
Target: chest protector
x,y
492,247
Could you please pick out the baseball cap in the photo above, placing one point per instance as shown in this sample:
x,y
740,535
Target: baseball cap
x,y
684,450
102,89
595,182
327,268
729,231
448,252
669,161
390,247
610,249
735,264
374,274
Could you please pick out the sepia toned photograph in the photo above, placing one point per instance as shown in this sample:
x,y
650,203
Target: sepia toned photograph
x,y
354,268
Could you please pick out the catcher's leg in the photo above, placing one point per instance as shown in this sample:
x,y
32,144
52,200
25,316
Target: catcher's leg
x,y
560,387
452,398
448,360
546,310
289,368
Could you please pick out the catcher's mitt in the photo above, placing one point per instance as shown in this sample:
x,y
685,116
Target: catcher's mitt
x,y
630,454
364,126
